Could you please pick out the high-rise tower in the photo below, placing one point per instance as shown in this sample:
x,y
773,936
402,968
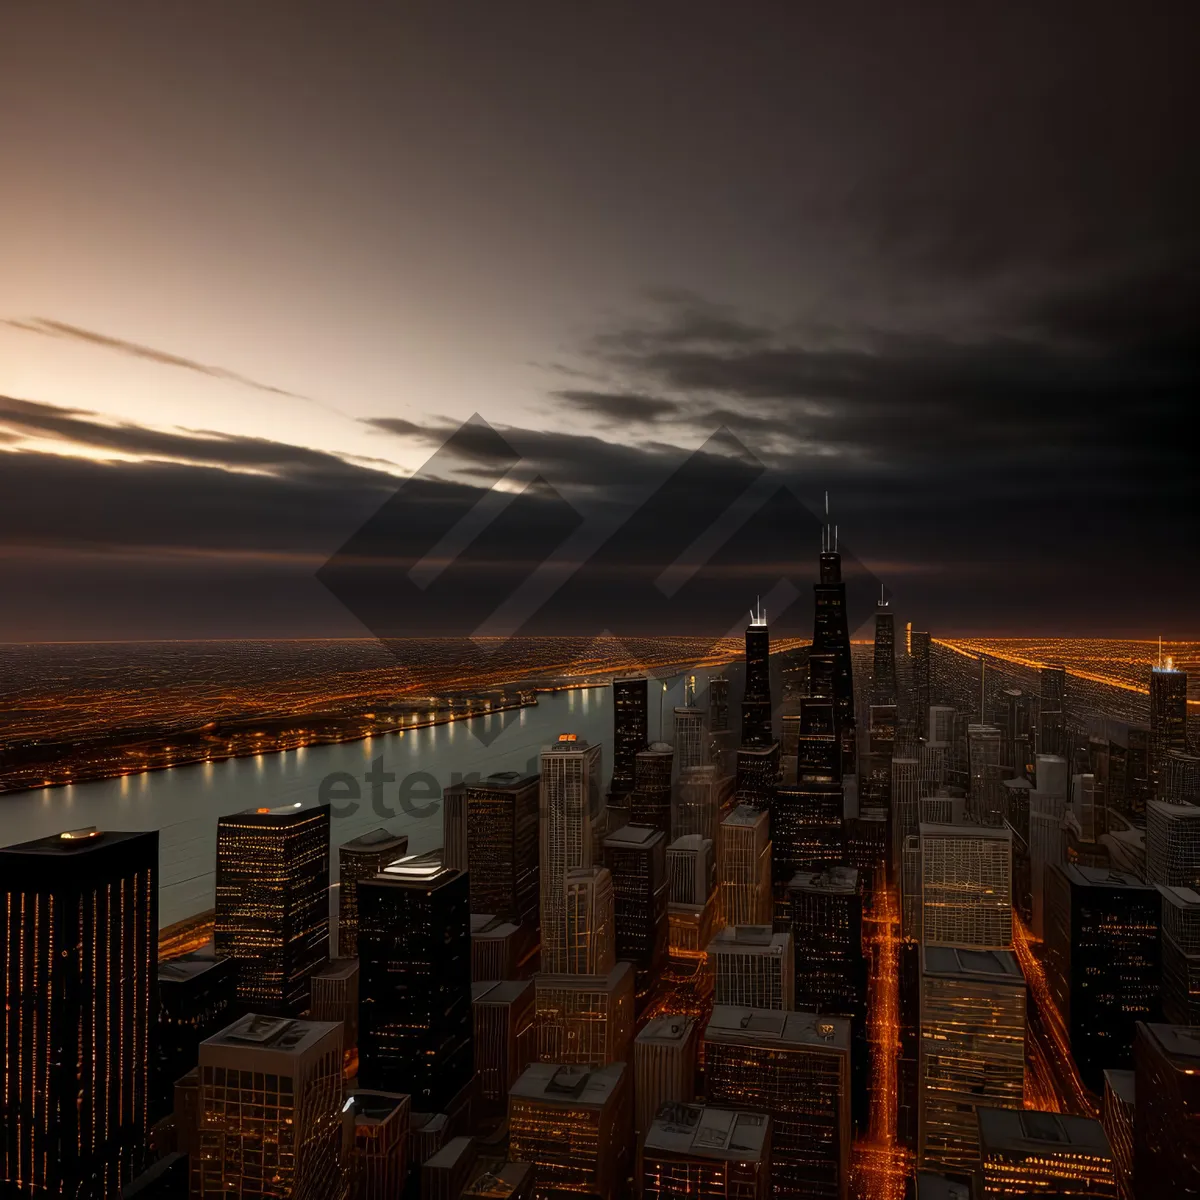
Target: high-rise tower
x,y
883,677
756,700
831,634
1168,719
631,731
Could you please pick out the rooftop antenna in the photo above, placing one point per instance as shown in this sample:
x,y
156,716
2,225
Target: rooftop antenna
x,y
882,603
758,615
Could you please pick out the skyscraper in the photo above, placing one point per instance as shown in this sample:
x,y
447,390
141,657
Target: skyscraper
x,y
985,750
360,858
379,1160
707,1152
691,738
972,1049
1117,1119
921,681
691,869
502,847
702,797
271,1112
1166,1128
1173,844
650,801
1180,947
570,801
591,921
1030,1153
415,982
664,1066
1102,963
831,634
631,731
826,911
883,675
744,867
1047,807
635,855
272,915
1052,715
808,832
585,1019
754,967
335,997
574,1125
966,886
1168,719
796,1067
758,773
78,969
756,699
505,1037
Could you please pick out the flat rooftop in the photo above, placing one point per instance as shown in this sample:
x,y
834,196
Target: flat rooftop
x,y
840,880
1123,1084
1177,1041
701,1131
373,1108
499,1182
585,983
997,965
504,781
417,870
503,991
761,1026
179,970
689,842
551,1083
998,833
1180,897
72,842
338,968
1174,812
1104,877
637,837
938,1187
1026,1131
667,1030
272,1033
375,841
750,939
744,815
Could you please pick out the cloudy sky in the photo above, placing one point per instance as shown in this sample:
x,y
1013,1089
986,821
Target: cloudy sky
x,y
258,262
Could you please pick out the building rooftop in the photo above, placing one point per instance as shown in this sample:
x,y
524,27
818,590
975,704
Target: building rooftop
x,y
338,968
499,1182
689,842
1026,1131
280,810
750,939
838,879
1180,897
701,1131
1173,811
591,1087
585,983
373,1108
452,1153
73,841
375,841
567,743
998,833
938,1187
272,1033
745,815
1020,784
1177,1041
635,836
997,965
178,970
1105,877
505,781
1123,1084
417,870
672,1030
503,991
490,926
759,1026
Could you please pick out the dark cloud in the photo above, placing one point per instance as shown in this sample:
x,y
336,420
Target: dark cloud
x,y
618,408
60,329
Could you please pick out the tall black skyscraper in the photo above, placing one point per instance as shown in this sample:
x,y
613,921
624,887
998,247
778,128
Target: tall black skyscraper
x,y
272,913
78,965
756,699
630,731
883,675
921,681
1168,719
502,847
1052,716
414,949
831,634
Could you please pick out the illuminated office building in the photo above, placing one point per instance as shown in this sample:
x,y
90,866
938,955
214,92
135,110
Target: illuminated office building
x,y
379,1159
272,914
1052,711
691,738
1084,803
972,1050
911,900
1102,962
1180,946
826,912
1138,781
795,1067
636,858
631,731
1173,844
921,680
905,801
574,1126
720,735
756,697
707,1152
984,747
831,633
196,997
1117,1119
808,831
650,800
702,797
1028,1153
585,1019
591,921
941,726
966,886
744,867
754,967
664,1067
881,747
502,1181
505,1038
1168,720
883,674
570,803
691,870
502,847
758,774
360,858
335,997
272,1118
1180,778
1047,808
415,985
1166,1117
78,965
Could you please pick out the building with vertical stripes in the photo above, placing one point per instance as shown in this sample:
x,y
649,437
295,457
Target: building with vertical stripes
x,y
379,1160
591,923
335,997
570,803
585,1020
650,800
966,886
665,1056
744,867
1173,844
707,1152
272,908
1047,808
1168,721
360,858
753,966
691,738
826,913
795,1067
702,798
78,969
1117,1119
1180,947
504,1016
1166,1116
502,846
631,732
691,869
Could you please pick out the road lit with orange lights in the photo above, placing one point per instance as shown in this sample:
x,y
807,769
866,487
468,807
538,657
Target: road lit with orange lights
x,y
881,1165
1050,1032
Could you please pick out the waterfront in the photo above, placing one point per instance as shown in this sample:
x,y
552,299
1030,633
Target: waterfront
x,y
184,803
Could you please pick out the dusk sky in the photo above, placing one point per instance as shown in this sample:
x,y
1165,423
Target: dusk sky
x,y
258,261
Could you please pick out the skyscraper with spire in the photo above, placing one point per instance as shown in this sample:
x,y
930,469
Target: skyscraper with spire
x,y
883,676
756,700
831,634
